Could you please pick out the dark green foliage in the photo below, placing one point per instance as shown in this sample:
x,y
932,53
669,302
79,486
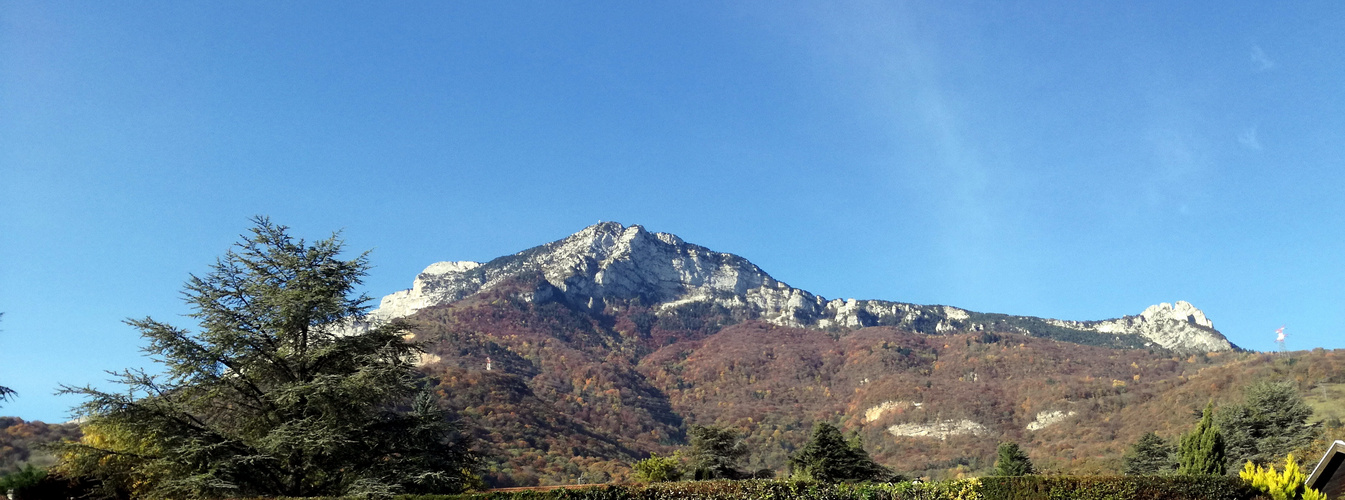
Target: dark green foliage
x,y
1148,455
829,458
715,452
49,487
1012,461
1202,450
1271,422
24,478
702,316
990,488
1116,488
272,397
1038,327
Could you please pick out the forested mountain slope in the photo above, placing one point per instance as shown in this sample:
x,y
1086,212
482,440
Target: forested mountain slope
x,y
577,392
21,442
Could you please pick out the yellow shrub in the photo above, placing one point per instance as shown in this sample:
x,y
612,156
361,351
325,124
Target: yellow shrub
x,y
1287,485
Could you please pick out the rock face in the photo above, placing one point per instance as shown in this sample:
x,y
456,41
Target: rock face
x,y
941,429
611,263
1181,327
1048,418
877,411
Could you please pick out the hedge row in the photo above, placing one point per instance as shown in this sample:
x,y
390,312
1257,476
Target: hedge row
x,y
991,488
1117,488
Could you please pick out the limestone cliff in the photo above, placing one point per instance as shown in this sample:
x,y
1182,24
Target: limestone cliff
x,y
610,263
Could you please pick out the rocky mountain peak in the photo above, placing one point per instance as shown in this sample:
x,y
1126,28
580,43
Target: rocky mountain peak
x,y
1182,311
611,262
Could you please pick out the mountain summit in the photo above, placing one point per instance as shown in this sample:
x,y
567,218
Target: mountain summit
x,y
608,264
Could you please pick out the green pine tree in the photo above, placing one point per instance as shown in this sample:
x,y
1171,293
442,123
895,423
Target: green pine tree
x,y
715,453
274,396
1202,450
1148,455
1012,461
1271,422
828,456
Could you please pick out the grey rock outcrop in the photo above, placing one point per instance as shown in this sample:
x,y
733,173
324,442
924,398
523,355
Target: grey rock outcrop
x,y
609,262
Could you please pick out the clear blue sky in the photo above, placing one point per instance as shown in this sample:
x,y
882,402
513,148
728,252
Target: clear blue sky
x,y
1076,160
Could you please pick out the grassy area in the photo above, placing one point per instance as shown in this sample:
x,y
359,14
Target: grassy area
x,y
1327,401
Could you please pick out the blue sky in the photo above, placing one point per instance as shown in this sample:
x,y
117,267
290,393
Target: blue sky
x,y
1076,160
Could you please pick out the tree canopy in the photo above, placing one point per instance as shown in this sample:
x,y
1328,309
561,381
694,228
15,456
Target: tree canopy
x,y
1012,461
656,469
276,395
829,457
1271,422
1149,454
715,452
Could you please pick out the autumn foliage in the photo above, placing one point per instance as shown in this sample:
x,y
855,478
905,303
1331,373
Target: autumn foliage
x,y
580,391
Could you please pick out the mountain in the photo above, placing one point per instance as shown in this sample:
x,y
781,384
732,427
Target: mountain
x,y
570,360
23,442
557,393
608,263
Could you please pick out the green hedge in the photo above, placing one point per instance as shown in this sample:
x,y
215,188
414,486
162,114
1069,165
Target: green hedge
x,y
1116,488
990,488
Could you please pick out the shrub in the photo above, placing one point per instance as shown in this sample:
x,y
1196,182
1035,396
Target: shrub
x,y
1116,488
656,469
26,477
1287,485
990,488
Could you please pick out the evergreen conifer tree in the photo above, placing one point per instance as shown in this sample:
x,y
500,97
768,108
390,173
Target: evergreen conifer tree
x,y
1271,422
274,396
1202,450
715,453
1012,461
828,456
1148,455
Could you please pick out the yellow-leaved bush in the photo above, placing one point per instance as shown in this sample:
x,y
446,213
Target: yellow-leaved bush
x,y
1286,485
113,456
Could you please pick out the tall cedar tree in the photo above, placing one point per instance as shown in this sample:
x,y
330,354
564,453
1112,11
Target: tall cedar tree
x,y
273,397
1271,422
1012,461
1149,454
1202,450
828,457
715,453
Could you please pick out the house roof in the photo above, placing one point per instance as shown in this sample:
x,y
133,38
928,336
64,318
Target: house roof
x,y
1328,467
